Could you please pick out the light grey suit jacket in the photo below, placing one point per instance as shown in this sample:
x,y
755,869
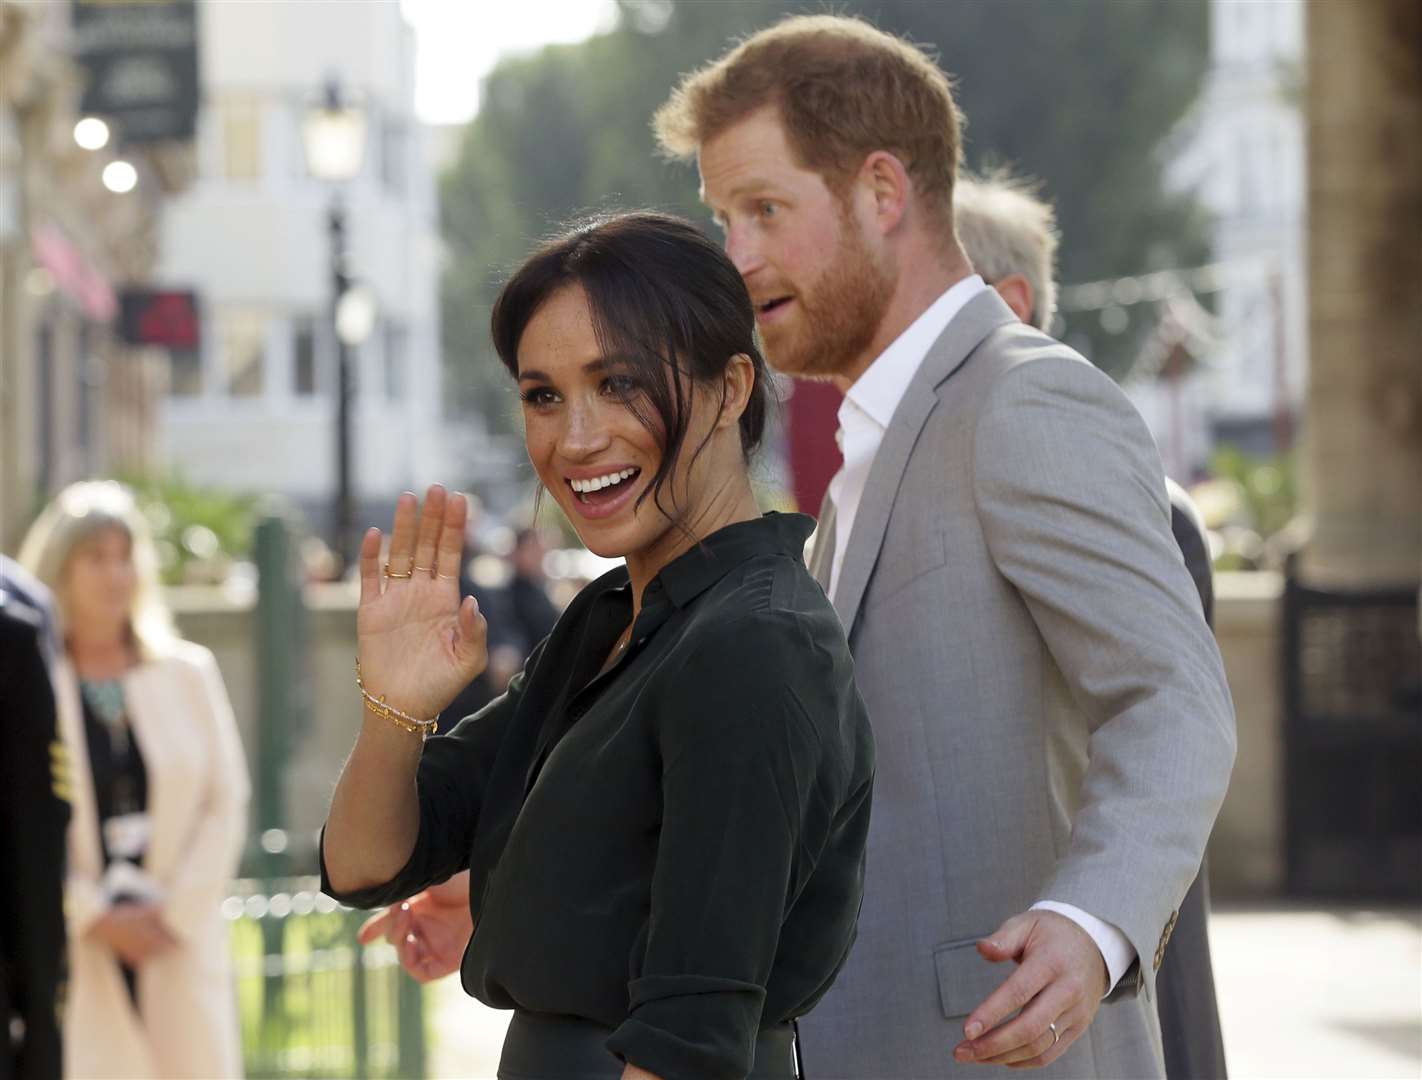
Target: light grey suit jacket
x,y
1049,708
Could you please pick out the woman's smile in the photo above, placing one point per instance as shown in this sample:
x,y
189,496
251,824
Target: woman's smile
x,y
581,428
600,493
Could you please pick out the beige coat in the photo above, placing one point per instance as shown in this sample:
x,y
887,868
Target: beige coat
x,y
197,801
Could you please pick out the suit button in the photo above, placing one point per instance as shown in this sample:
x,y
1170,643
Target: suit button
x,y
1164,940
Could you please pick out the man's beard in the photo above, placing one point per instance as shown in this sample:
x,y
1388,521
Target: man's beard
x,y
839,314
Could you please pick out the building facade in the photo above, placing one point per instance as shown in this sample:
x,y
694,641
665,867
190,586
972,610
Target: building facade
x,y
253,409
1241,153
74,400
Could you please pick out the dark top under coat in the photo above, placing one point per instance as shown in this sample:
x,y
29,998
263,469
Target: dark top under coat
x,y
673,848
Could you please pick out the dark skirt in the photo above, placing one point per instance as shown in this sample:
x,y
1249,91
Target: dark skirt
x,y
541,1047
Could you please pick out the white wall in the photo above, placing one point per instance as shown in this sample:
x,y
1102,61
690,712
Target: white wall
x,y
260,244
277,43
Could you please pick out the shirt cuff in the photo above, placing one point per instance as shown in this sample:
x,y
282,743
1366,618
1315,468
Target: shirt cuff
x,y
690,1025
1115,948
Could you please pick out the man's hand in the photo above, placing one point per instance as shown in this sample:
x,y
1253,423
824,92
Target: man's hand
x,y
429,930
1060,979
135,932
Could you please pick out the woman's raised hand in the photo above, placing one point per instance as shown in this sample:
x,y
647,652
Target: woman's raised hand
x,y
419,644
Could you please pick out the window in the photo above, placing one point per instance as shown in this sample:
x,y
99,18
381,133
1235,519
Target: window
x,y
241,344
303,355
1244,176
184,372
397,347
393,143
241,139
91,380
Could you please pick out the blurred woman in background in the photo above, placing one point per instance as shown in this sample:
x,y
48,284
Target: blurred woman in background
x,y
159,803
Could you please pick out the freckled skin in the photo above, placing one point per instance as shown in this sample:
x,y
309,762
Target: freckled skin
x,y
790,235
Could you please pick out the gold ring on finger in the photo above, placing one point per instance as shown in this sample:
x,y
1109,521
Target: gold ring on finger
x,y
1056,1035
423,569
446,577
391,573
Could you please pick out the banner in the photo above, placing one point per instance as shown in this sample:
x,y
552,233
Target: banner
x,y
167,317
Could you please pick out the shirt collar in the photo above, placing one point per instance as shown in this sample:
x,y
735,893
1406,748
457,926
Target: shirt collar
x,y
879,390
689,575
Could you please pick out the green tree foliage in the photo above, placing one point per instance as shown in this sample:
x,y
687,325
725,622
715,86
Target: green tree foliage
x,y
1254,504
198,530
1078,93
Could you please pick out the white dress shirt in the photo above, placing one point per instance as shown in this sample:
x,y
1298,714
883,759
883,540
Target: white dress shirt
x,y
864,417
869,405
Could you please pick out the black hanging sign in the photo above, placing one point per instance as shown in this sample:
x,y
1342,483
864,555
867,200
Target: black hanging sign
x,y
141,59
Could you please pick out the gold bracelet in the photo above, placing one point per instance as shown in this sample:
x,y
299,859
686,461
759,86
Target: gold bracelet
x,y
402,720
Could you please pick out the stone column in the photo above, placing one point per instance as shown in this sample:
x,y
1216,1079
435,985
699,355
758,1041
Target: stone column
x,y
1364,409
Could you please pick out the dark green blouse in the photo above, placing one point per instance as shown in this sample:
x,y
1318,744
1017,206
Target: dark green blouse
x,y
675,848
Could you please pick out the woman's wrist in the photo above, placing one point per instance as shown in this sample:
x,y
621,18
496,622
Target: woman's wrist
x,y
377,730
377,706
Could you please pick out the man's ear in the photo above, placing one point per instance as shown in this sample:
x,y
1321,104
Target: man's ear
x,y
739,384
1020,297
888,182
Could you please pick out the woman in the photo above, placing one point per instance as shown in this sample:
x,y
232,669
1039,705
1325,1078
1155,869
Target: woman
x,y
159,804
664,816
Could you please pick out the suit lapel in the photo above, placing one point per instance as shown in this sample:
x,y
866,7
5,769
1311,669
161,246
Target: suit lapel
x,y
822,553
983,314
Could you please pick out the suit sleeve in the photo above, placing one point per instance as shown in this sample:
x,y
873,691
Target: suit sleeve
x,y
1190,537
215,845
33,813
1072,502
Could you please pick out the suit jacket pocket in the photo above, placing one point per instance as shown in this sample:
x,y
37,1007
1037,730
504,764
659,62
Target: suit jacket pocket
x,y
964,977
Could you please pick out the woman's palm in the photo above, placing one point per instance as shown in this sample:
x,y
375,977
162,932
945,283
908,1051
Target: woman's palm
x,y
419,643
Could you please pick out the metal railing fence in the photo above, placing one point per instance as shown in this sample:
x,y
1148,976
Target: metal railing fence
x,y
313,1002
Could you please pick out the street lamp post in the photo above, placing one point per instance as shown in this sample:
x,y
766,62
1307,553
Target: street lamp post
x,y
334,139
340,282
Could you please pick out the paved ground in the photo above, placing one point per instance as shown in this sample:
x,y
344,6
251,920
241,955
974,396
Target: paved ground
x,y
1303,994
466,1035
1320,993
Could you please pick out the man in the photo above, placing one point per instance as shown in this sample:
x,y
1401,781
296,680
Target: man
x,y
532,612
521,608
34,813
1010,237
1054,730
484,687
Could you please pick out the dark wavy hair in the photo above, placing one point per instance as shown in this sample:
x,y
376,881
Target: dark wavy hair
x,y
664,299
